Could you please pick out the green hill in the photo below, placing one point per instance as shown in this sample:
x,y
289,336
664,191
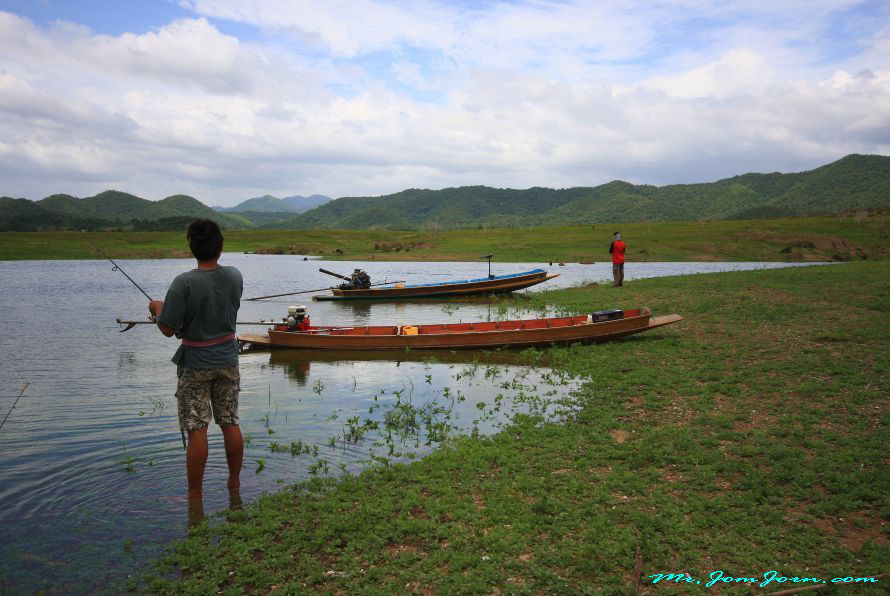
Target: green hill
x,y
270,204
22,215
107,210
263,204
856,181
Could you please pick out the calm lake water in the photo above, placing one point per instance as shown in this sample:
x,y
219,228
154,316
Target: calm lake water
x,y
92,471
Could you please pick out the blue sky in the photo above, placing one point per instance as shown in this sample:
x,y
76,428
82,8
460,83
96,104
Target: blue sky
x,y
225,100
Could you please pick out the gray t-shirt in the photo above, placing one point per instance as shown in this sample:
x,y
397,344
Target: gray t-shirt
x,y
202,305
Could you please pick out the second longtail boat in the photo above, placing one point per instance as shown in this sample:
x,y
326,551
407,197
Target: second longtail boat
x,y
494,284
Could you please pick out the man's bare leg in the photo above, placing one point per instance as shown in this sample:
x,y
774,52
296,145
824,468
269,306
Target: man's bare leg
x,y
195,461
234,444
196,512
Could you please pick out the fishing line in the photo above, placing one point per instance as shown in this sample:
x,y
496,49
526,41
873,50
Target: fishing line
x,y
118,268
14,404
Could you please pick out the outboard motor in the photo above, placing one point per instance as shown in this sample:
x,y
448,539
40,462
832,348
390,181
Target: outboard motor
x,y
297,319
359,280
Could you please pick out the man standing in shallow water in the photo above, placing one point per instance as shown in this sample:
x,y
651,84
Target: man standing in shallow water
x,y
616,249
201,308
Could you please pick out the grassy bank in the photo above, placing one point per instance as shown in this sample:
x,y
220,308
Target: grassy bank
x,y
750,437
815,238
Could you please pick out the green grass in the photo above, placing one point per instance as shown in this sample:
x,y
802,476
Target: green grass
x,y
750,437
793,239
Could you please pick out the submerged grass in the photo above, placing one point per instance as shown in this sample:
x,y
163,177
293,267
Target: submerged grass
x,y
791,239
750,437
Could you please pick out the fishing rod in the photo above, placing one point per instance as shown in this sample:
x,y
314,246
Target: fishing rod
x,y
288,294
118,268
131,324
320,328
144,293
382,283
14,404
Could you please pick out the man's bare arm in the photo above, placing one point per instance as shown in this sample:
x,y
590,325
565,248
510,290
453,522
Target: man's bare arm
x,y
155,307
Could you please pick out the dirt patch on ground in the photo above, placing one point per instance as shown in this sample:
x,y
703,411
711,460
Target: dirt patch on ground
x,y
671,476
707,251
852,531
396,550
758,420
400,246
861,527
808,247
620,436
679,411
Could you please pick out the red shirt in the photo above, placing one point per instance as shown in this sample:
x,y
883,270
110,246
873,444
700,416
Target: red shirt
x,y
618,252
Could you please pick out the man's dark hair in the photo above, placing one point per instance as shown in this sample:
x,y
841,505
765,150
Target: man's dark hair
x,y
205,239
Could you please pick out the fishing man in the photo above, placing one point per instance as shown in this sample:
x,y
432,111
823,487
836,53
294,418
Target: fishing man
x,y
616,249
200,308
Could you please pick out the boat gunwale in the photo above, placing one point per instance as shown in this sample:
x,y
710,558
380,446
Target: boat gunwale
x,y
462,282
545,335
438,290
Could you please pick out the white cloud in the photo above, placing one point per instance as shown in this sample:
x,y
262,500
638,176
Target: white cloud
x,y
523,94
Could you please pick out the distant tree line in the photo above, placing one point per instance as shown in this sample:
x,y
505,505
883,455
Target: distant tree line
x,y
853,182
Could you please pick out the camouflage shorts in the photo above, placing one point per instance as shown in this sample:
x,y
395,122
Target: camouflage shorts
x,y
202,390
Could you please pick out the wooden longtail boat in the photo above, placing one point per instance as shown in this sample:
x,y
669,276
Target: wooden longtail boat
x,y
485,285
452,336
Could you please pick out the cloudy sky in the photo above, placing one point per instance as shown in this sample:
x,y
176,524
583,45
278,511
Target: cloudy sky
x,y
226,100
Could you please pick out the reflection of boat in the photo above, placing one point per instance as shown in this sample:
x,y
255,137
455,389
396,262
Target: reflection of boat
x,y
486,285
600,326
297,369
298,361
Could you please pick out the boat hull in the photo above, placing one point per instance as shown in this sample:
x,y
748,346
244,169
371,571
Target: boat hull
x,y
464,336
497,285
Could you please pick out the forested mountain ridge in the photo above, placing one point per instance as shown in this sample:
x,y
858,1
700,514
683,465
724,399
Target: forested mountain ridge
x,y
853,182
272,204
107,210
856,181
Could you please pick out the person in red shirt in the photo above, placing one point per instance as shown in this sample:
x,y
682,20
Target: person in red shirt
x,y
616,249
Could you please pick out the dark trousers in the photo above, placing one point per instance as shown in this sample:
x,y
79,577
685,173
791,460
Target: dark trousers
x,y
618,274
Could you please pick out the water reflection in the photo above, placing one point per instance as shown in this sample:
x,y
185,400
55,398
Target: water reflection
x,y
126,361
319,412
297,370
360,311
297,362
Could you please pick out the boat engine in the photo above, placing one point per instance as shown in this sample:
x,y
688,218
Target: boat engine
x,y
296,319
359,280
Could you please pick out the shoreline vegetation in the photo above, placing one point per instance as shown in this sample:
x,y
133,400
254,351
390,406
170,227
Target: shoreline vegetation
x,y
749,438
855,236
